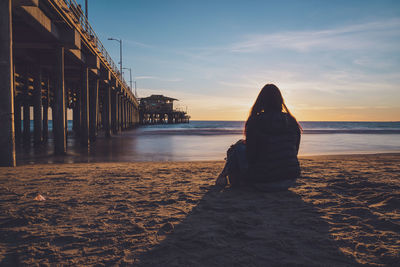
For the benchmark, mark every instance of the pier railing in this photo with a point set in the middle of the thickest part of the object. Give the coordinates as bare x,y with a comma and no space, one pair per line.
76,13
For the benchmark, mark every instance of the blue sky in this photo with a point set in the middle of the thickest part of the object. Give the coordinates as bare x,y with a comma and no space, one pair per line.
333,60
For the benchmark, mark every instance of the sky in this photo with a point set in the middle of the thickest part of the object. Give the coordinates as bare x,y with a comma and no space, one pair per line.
333,60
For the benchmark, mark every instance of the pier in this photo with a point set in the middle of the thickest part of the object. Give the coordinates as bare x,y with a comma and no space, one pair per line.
159,109
51,61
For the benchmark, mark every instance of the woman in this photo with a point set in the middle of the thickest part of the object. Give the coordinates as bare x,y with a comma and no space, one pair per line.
267,158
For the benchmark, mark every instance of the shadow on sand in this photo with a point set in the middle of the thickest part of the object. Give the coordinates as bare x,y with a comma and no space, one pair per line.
248,228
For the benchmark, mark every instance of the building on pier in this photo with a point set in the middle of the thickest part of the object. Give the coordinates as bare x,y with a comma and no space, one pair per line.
159,109
52,61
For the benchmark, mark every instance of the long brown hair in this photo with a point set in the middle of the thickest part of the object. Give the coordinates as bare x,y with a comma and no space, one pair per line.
269,99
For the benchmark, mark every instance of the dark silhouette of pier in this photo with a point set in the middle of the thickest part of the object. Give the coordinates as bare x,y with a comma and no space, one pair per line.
159,109
50,61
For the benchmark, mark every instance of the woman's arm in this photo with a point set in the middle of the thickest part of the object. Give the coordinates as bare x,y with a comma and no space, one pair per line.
251,142
298,140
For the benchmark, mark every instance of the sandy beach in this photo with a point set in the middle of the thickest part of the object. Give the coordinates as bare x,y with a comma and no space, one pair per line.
344,211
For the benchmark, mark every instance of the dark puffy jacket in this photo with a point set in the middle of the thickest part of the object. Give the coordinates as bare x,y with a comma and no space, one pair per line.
272,144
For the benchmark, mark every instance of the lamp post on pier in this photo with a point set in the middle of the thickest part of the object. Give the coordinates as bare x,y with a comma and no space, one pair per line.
86,9
130,76
120,53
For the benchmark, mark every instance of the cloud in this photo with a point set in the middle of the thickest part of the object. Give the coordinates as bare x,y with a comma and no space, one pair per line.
336,81
358,36
145,77
171,80
158,78
140,44
369,61
241,84
313,107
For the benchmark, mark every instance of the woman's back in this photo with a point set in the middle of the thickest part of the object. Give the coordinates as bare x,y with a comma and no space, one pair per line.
272,143
269,152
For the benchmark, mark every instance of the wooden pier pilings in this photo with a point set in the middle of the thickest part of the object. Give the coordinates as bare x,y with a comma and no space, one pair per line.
51,61
163,117
7,133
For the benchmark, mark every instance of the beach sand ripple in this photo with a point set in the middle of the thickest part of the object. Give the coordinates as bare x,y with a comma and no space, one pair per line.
344,211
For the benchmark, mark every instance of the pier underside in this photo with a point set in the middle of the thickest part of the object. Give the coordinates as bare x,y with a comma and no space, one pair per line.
52,62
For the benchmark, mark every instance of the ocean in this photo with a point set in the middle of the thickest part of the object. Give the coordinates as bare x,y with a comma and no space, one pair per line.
203,140
209,140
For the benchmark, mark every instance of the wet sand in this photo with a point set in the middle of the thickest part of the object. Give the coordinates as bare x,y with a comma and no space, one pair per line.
344,211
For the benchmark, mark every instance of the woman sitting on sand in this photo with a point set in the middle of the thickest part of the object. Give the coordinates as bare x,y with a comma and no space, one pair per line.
267,159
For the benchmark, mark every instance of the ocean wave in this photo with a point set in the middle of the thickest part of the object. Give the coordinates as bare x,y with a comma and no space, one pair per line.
192,132
351,131
214,131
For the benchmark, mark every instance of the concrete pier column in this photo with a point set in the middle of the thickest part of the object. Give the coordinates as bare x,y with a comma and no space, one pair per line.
136,115
17,121
68,96
121,116
119,113
113,112
7,133
115,98
126,114
107,111
93,108
121,110
17,112
46,112
26,135
60,140
77,113
132,115
99,116
123,113
84,133
37,106
129,115
66,115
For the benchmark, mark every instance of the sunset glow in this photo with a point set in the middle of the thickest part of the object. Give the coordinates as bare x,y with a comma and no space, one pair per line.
333,61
